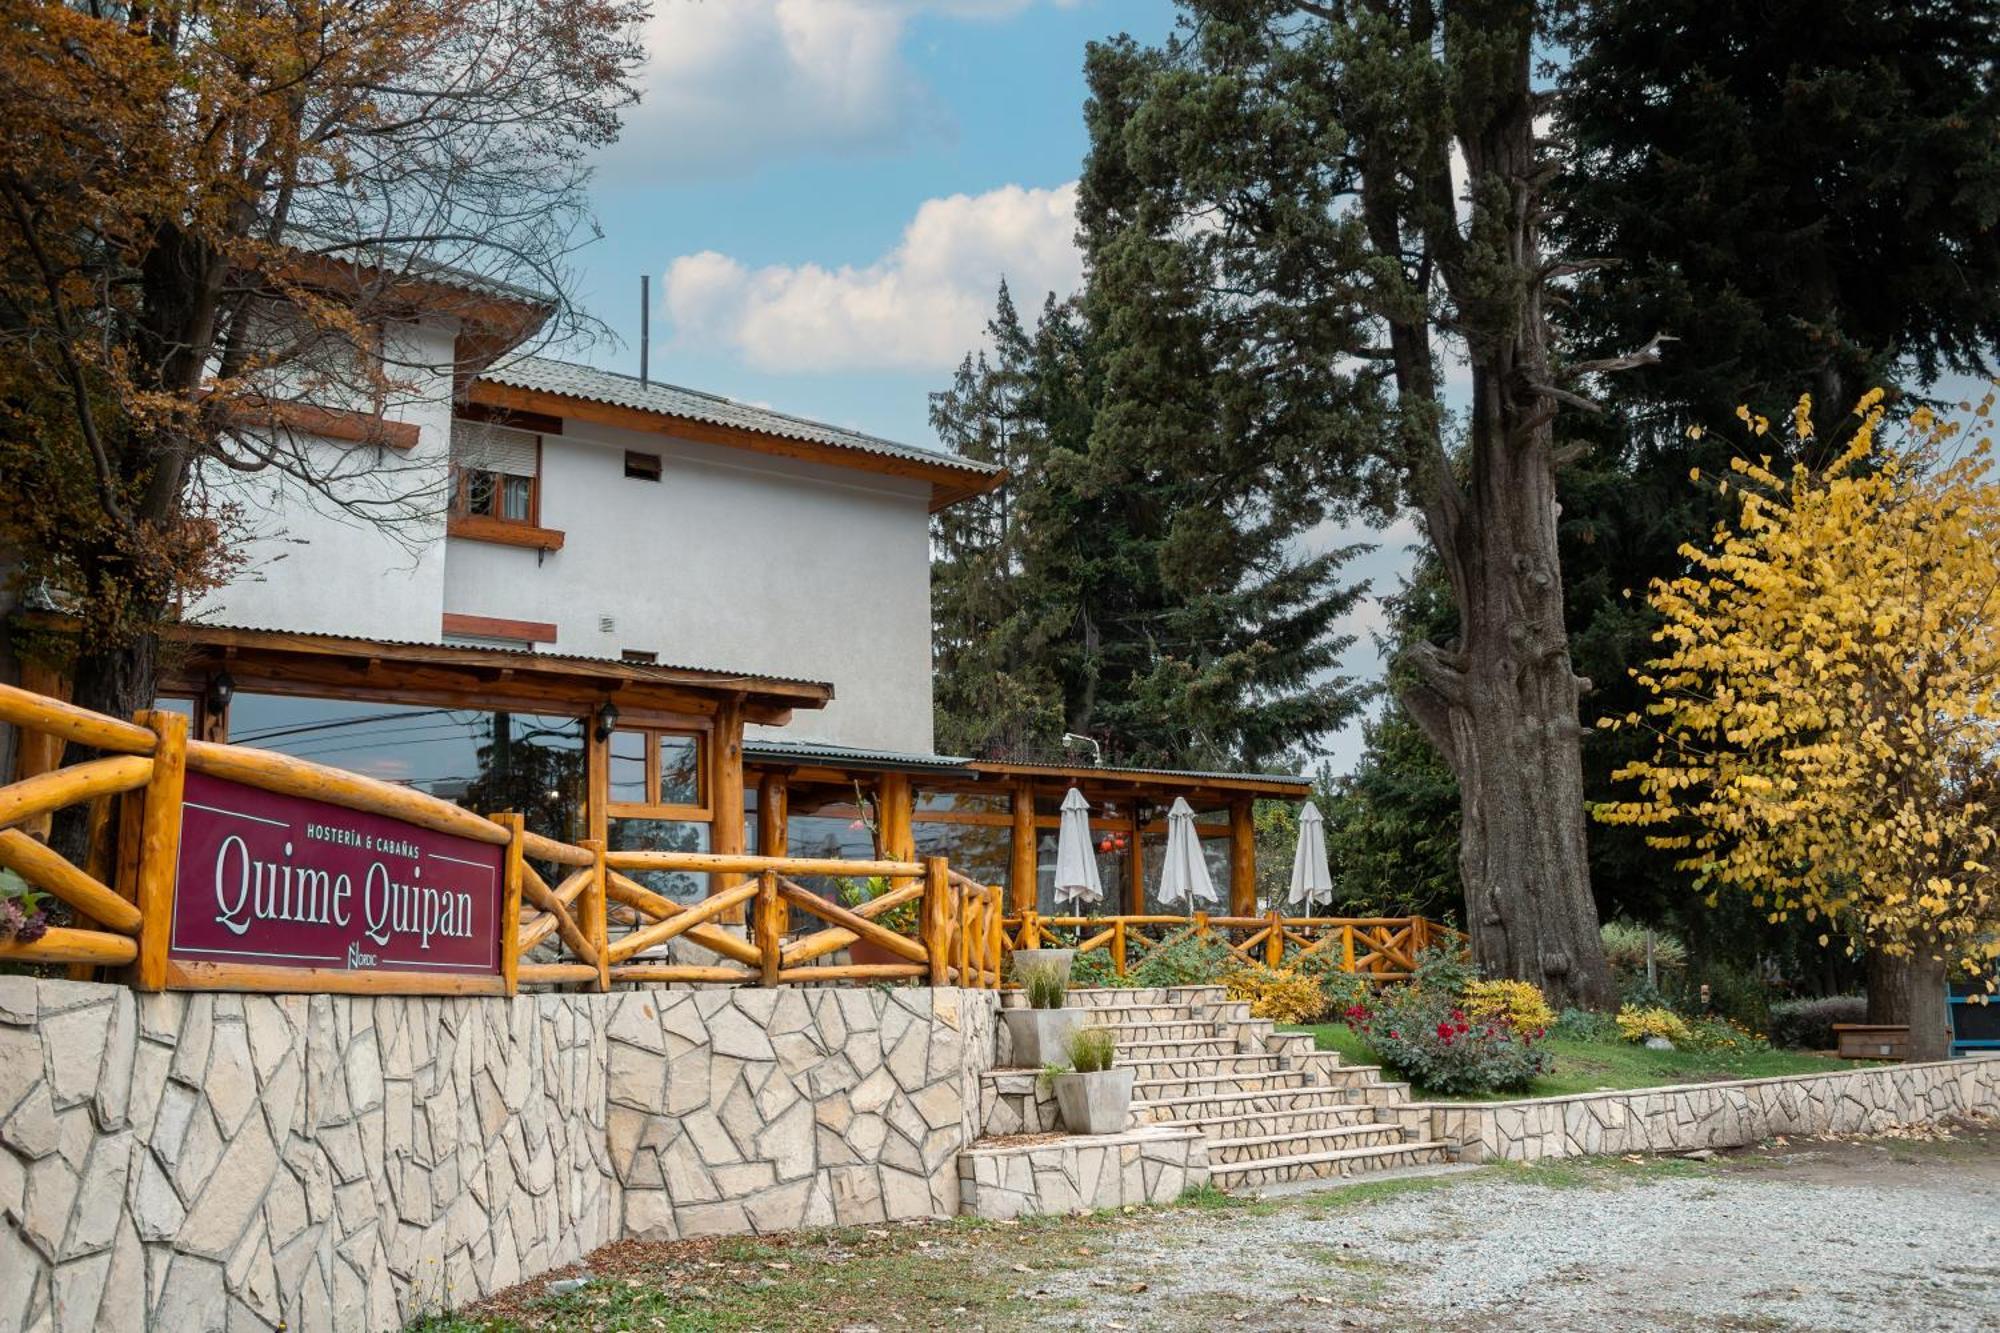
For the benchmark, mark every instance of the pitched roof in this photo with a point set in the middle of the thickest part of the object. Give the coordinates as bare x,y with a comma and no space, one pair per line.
589,384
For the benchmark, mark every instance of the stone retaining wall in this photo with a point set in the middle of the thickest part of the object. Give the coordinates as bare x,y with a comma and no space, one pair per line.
203,1161
1709,1115
1075,1174
765,1110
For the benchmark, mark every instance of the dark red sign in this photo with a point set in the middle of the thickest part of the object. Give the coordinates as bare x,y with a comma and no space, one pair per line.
290,882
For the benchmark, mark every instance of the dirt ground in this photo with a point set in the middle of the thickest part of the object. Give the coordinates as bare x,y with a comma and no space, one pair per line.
1899,1232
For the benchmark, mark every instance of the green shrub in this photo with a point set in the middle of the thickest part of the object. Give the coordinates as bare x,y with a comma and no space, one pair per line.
1184,959
1625,949
1091,1050
1445,969
1738,993
1046,984
1723,1036
1094,969
1807,1025
1343,990
1585,1025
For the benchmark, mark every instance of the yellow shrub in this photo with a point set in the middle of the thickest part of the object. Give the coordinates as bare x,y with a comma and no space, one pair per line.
1639,1024
1279,994
1519,1002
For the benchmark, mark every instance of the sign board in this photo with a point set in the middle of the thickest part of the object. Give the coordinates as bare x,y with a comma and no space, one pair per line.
288,882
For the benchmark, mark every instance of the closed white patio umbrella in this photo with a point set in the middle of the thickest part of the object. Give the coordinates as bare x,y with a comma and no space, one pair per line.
1076,867
1185,877
1312,881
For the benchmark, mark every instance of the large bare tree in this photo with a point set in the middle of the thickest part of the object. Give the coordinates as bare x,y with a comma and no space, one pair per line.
219,225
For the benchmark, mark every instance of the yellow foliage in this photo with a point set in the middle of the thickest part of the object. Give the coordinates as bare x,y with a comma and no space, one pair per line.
1826,698
1519,1002
1636,1025
1279,994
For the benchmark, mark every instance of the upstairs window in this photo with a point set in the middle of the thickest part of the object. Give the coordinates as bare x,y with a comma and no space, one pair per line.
642,467
496,472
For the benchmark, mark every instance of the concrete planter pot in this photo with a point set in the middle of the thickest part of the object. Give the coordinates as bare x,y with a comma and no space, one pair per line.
1026,959
1036,1036
1099,1103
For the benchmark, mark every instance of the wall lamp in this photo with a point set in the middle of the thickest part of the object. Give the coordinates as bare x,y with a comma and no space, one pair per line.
605,721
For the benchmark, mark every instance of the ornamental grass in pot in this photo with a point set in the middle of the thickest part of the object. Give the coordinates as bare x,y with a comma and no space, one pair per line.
1093,1096
1037,1034
1026,960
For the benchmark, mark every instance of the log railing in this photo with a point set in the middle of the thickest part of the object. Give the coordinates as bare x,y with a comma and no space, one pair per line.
551,933
1384,948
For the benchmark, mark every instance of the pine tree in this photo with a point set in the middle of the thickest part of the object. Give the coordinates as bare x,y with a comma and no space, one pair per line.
1132,593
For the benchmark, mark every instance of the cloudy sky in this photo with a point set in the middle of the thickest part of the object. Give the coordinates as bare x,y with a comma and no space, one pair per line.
827,193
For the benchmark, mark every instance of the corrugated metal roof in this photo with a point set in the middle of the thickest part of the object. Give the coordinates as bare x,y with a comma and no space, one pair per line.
788,750
1113,771
545,375
717,676
826,750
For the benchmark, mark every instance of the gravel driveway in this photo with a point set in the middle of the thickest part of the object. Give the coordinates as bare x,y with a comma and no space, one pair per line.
1901,1235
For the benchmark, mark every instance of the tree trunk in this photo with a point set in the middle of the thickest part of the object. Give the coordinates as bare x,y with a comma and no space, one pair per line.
1888,988
1502,704
118,681
1930,1017
1506,720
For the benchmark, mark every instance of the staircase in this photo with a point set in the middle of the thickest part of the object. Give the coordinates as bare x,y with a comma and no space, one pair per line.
1270,1107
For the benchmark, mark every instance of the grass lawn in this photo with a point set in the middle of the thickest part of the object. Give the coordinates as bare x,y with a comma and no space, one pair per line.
1590,1066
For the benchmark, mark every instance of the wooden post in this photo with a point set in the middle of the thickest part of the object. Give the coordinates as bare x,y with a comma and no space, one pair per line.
996,936
1242,859
1022,871
596,914
769,926
726,805
961,939
1274,947
774,795
510,902
1118,946
1135,865
1201,925
39,752
1031,929
934,919
160,845
892,813
1347,948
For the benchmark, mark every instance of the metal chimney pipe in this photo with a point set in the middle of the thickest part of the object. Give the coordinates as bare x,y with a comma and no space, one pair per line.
645,323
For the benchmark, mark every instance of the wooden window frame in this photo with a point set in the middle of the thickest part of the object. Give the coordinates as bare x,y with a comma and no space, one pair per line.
461,498
703,812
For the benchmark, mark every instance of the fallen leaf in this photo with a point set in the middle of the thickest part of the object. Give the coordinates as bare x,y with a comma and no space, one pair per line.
1022,1268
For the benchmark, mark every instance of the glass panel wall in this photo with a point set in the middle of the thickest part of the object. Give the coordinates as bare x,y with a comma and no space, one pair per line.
1215,851
484,761
664,835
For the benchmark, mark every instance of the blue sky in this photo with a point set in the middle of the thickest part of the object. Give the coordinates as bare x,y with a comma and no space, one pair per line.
826,194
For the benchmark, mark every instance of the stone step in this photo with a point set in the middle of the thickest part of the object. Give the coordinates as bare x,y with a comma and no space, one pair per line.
1094,997
1268,1147
1346,1076
1178,1048
1168,1089
1192,1029
1164,1069
1303,1120
1222,1103
1141,1015
1328,1164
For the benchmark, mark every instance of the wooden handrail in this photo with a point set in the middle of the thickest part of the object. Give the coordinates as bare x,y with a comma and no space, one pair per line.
59,787
38,712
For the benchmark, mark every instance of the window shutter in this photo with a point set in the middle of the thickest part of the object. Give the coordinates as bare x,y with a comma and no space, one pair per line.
478,446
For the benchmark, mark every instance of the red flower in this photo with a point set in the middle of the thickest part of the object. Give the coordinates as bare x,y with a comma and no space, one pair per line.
1394,1035
1444,1032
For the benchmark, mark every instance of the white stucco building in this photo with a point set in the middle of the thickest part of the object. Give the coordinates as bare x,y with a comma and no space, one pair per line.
585,513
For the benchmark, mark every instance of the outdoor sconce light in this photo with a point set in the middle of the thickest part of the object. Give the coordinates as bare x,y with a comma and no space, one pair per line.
606,720
221,688
1096,750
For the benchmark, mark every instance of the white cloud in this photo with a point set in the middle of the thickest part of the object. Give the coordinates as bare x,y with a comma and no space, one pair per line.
731,84
922,306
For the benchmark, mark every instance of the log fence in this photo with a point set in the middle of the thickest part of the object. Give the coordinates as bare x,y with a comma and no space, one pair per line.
1382,948
131,776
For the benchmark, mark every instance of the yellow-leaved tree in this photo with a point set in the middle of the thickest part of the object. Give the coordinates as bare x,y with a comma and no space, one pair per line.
1827,698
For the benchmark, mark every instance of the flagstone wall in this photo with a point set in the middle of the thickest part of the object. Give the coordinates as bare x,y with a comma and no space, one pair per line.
1710,1115
233,1162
